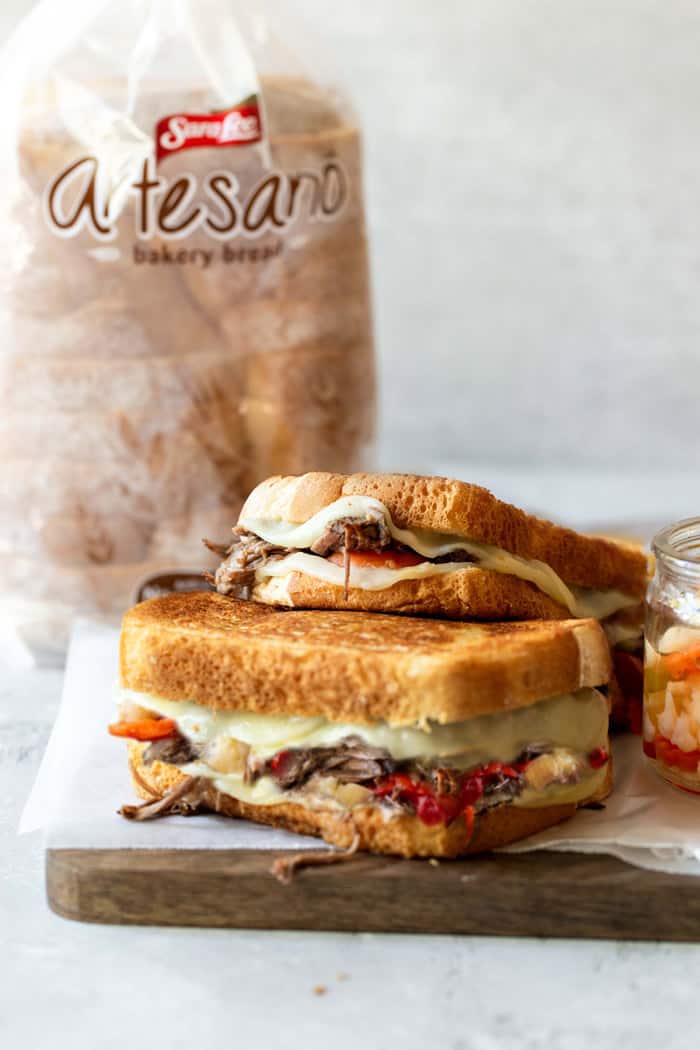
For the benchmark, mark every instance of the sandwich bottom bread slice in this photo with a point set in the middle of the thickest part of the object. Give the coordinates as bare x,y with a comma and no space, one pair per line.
408,737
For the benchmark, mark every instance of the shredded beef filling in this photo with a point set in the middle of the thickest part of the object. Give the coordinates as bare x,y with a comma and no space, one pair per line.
247,552
459,555
181,799
351,762
398,785
357,763
176,750
354,534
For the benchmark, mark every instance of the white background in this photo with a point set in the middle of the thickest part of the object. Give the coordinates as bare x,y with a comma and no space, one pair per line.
534,199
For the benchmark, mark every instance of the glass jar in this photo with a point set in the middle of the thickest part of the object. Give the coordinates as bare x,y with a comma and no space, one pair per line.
671,730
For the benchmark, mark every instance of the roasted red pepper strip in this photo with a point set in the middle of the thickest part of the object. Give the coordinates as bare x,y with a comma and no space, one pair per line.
395,782
435,809
145,729
277,761
387,559
598,758
429,810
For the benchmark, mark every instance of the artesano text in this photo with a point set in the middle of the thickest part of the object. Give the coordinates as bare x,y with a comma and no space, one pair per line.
177,207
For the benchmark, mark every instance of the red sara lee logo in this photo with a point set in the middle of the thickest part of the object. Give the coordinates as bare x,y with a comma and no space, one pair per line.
239,126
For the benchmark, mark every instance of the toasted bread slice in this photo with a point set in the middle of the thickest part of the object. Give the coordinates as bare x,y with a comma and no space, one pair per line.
465,594
455,507
351,666
366,826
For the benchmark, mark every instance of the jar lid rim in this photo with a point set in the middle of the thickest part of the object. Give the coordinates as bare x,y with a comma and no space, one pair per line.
668,542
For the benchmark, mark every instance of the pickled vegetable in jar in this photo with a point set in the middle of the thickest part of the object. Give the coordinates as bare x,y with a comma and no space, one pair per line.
671,726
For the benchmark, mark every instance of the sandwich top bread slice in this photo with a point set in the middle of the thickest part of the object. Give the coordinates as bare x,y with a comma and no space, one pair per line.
420,545
404,736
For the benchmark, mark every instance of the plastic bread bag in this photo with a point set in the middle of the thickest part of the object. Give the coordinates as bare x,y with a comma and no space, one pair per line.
184,294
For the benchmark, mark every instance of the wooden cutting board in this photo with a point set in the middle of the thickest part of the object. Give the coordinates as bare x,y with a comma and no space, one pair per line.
538,894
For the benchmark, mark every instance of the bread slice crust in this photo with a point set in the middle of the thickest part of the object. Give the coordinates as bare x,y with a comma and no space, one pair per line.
463,594
404,835
449,506
351,666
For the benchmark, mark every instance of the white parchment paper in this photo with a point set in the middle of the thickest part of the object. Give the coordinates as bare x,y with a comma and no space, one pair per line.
84,779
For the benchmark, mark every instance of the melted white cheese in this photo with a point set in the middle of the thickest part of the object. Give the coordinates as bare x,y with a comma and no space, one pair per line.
300,537
575,720
562,794
263,792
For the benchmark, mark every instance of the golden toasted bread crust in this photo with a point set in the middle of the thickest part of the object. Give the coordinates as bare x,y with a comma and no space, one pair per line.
351,666
464,594
446,505
404,835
